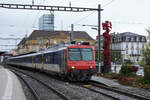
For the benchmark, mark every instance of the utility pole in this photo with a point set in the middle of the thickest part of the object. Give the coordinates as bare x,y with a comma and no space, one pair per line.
99,34
32,2
72,33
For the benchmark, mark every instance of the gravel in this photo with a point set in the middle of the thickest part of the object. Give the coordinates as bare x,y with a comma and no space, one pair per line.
79,93
26,90
43,92
138,91
72,91
114,94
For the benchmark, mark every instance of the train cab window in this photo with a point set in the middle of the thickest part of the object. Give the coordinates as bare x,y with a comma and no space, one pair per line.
78,54
74,54
86,54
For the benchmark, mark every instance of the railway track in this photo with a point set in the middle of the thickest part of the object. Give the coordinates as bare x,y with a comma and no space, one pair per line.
111,92
37,93
71,91
136,96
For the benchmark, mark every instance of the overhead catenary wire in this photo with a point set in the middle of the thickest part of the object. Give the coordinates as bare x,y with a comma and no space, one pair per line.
136,23
83,18
108,3
93,12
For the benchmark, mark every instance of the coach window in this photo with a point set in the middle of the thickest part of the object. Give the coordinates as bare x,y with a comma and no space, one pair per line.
48,59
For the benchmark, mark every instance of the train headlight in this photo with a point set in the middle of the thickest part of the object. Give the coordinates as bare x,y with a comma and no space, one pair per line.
91,66
79,43
72,67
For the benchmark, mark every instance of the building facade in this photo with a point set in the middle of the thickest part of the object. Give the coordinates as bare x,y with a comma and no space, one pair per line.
130,45
46,22
41,39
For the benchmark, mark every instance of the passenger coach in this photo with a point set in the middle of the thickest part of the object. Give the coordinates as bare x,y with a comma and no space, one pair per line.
71,62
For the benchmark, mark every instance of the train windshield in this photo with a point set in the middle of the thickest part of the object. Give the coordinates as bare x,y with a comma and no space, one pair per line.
86,54
78,54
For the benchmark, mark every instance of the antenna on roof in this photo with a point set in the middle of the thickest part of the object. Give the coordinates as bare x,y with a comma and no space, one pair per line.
32,2
69,4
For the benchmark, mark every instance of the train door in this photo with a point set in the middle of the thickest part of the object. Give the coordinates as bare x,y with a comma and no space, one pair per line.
33,66
63,62
36,62
42,61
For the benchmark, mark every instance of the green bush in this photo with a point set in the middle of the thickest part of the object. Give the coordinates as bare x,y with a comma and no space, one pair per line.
147,74
112,75
142,63
127,70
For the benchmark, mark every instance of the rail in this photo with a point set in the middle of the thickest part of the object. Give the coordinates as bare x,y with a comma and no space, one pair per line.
40,81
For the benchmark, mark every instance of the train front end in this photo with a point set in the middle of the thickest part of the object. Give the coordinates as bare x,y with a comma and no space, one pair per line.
81,62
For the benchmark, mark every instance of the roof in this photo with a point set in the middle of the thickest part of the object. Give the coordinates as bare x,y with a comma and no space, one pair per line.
47,33
129,34
124,34
127,37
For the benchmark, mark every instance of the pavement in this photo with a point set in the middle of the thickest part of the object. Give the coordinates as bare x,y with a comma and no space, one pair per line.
110,82
10,87
105,81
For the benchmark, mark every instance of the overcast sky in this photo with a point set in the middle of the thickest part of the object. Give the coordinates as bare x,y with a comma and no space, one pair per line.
125,15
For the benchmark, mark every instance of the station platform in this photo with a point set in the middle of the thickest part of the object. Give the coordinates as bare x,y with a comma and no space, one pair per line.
10,87
105,81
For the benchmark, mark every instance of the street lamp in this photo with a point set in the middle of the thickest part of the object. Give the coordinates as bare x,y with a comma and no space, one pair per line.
98,47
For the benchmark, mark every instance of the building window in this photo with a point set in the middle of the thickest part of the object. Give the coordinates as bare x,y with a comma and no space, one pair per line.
47,43
137,47
132,39
40,42
62,42
55,41
126,51
138,52
126,45
132,52
132,47
127,39
143,46
137,39
137,44
33,48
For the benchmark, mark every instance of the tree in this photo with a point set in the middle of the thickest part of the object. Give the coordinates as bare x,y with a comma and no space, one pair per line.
147,61
147,51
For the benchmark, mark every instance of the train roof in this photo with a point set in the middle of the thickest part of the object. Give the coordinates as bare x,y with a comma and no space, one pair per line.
54,48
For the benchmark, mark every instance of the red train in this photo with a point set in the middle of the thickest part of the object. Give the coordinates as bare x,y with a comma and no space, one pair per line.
72,62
